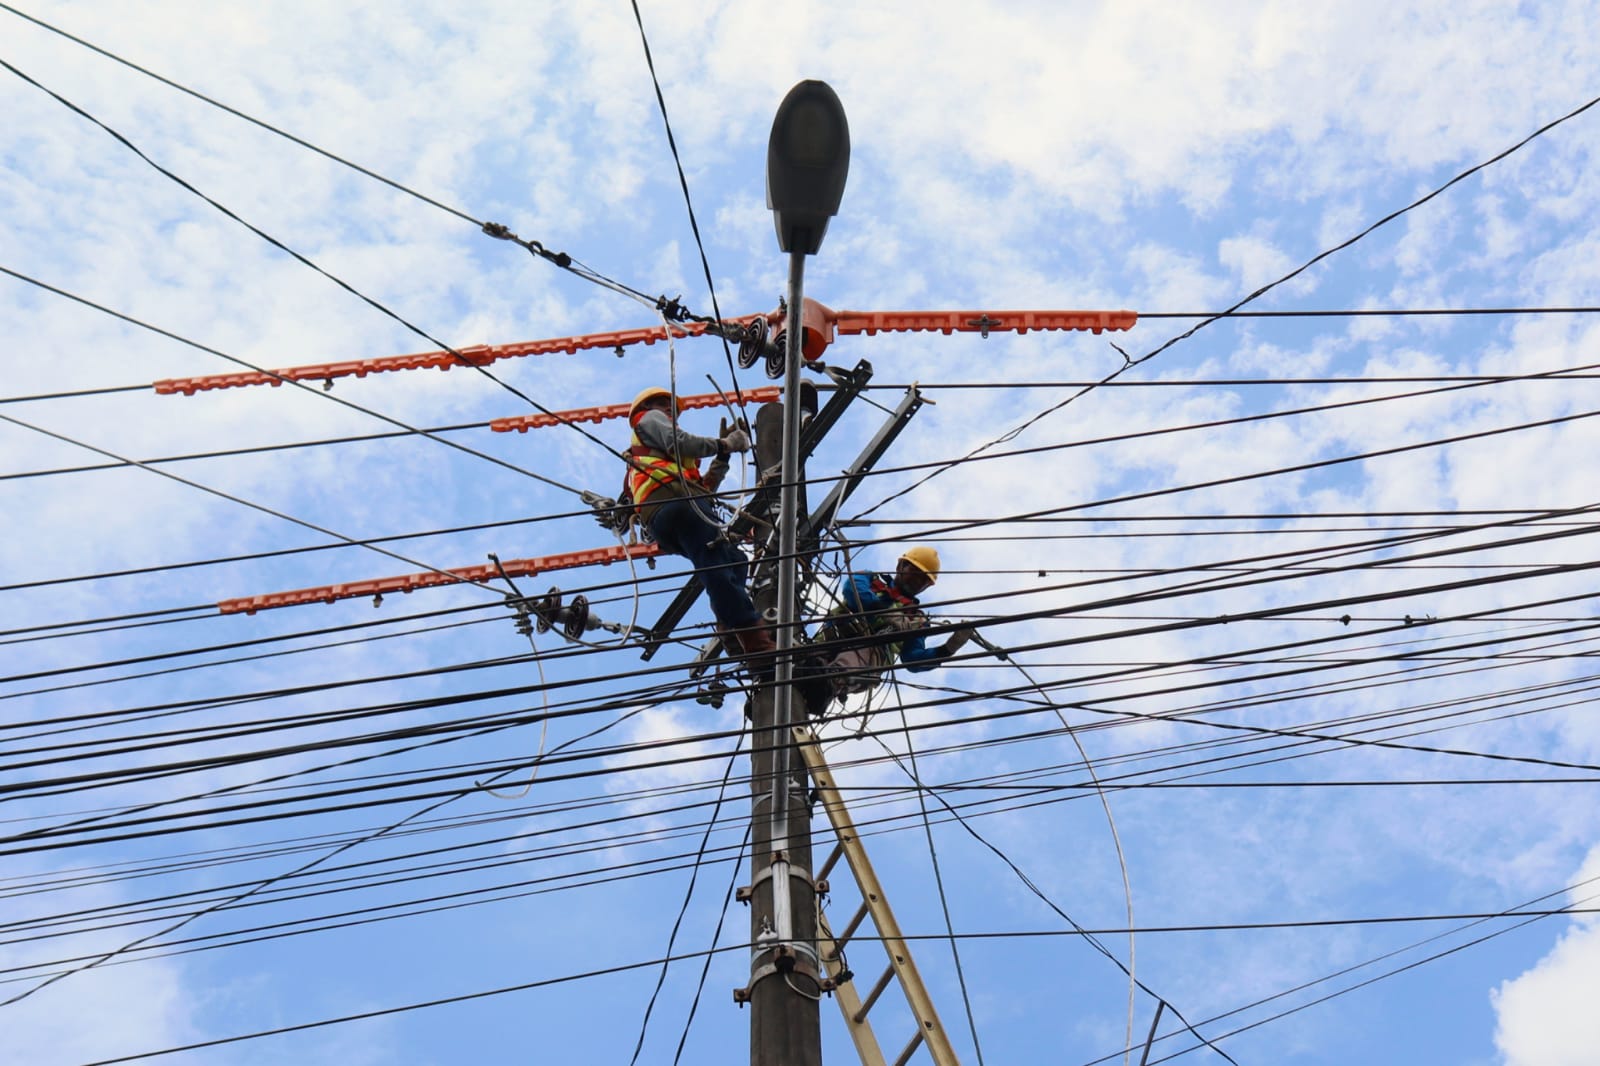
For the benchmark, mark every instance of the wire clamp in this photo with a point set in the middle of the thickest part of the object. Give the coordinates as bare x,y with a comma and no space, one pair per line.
501,232
672,309
609,513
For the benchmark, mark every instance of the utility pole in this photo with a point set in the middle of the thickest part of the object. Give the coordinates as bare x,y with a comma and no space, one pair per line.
808,159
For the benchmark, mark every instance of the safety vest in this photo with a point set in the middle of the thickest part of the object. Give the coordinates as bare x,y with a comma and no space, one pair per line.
650,469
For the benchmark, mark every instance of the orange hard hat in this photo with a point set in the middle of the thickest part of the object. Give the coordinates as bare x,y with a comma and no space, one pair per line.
653,393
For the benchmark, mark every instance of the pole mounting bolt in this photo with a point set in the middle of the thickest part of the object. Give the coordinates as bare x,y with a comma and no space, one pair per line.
985,324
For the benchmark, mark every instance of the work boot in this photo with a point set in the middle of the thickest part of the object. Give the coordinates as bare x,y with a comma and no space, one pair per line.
811,681
759,648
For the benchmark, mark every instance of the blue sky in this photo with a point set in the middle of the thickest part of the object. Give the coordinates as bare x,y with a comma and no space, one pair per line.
1005,155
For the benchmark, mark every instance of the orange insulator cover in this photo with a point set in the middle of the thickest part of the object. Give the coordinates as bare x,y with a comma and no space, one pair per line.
477,355
985,322
410,582
818,325
816,328
523,423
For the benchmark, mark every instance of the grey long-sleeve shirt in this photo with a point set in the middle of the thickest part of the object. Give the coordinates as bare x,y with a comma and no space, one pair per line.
659,433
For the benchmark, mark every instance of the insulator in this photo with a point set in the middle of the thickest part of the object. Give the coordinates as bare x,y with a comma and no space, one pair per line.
776,355
546,609
577,620
752,342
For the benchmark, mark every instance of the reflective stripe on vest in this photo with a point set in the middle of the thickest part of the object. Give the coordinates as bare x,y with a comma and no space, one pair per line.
649,469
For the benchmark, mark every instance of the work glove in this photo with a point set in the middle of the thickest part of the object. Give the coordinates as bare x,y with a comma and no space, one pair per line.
737,440
958,640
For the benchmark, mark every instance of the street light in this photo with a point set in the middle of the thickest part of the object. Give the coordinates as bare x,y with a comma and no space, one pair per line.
808,160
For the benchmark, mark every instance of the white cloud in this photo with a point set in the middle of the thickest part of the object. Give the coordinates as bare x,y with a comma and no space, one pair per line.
1545,1016
1006,154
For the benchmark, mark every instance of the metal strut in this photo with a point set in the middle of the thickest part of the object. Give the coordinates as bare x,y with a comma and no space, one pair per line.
762,508
901,968
816,524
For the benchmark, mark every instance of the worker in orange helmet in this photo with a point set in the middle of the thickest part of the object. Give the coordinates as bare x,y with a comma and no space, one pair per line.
845,661
673,500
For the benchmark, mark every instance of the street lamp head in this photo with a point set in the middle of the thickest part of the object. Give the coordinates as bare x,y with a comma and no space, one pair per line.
808,160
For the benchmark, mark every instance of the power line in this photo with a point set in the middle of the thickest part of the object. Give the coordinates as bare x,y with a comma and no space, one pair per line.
230,497
122,461
688,203
1129,361
532,246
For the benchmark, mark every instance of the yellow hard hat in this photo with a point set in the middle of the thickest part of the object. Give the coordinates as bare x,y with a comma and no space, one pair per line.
925,559
652,393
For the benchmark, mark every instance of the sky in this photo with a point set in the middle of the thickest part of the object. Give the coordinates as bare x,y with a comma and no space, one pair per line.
1308,596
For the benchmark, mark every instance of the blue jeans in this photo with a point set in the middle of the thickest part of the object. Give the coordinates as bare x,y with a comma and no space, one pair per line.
685,526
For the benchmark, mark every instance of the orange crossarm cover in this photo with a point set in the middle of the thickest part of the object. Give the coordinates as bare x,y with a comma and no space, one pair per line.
870,322
523,423
819,326
409,582
477,355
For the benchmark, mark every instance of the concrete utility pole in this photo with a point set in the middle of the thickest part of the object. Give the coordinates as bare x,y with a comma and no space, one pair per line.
808,159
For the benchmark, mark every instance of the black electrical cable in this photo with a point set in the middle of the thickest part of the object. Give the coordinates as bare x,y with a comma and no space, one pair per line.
1298,468
333,852
1471,379
1447,528
1039,645
688,203
240,114
1053,514
1084,933
1129,361
112,390
1389,312
377,306
1522,908
1159,383
260,449
560,259
1231,705
130,320
716,935
938,875
1297,734
688,894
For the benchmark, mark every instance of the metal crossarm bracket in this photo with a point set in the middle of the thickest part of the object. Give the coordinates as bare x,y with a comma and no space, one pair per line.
823,516
850,383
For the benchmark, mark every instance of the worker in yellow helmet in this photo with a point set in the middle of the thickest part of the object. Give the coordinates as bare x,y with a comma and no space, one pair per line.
672,496
876,605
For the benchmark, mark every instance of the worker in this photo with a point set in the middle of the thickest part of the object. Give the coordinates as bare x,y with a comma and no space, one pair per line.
843,661
673,500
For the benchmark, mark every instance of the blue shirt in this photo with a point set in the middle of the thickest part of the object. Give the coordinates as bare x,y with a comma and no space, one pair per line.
863,601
